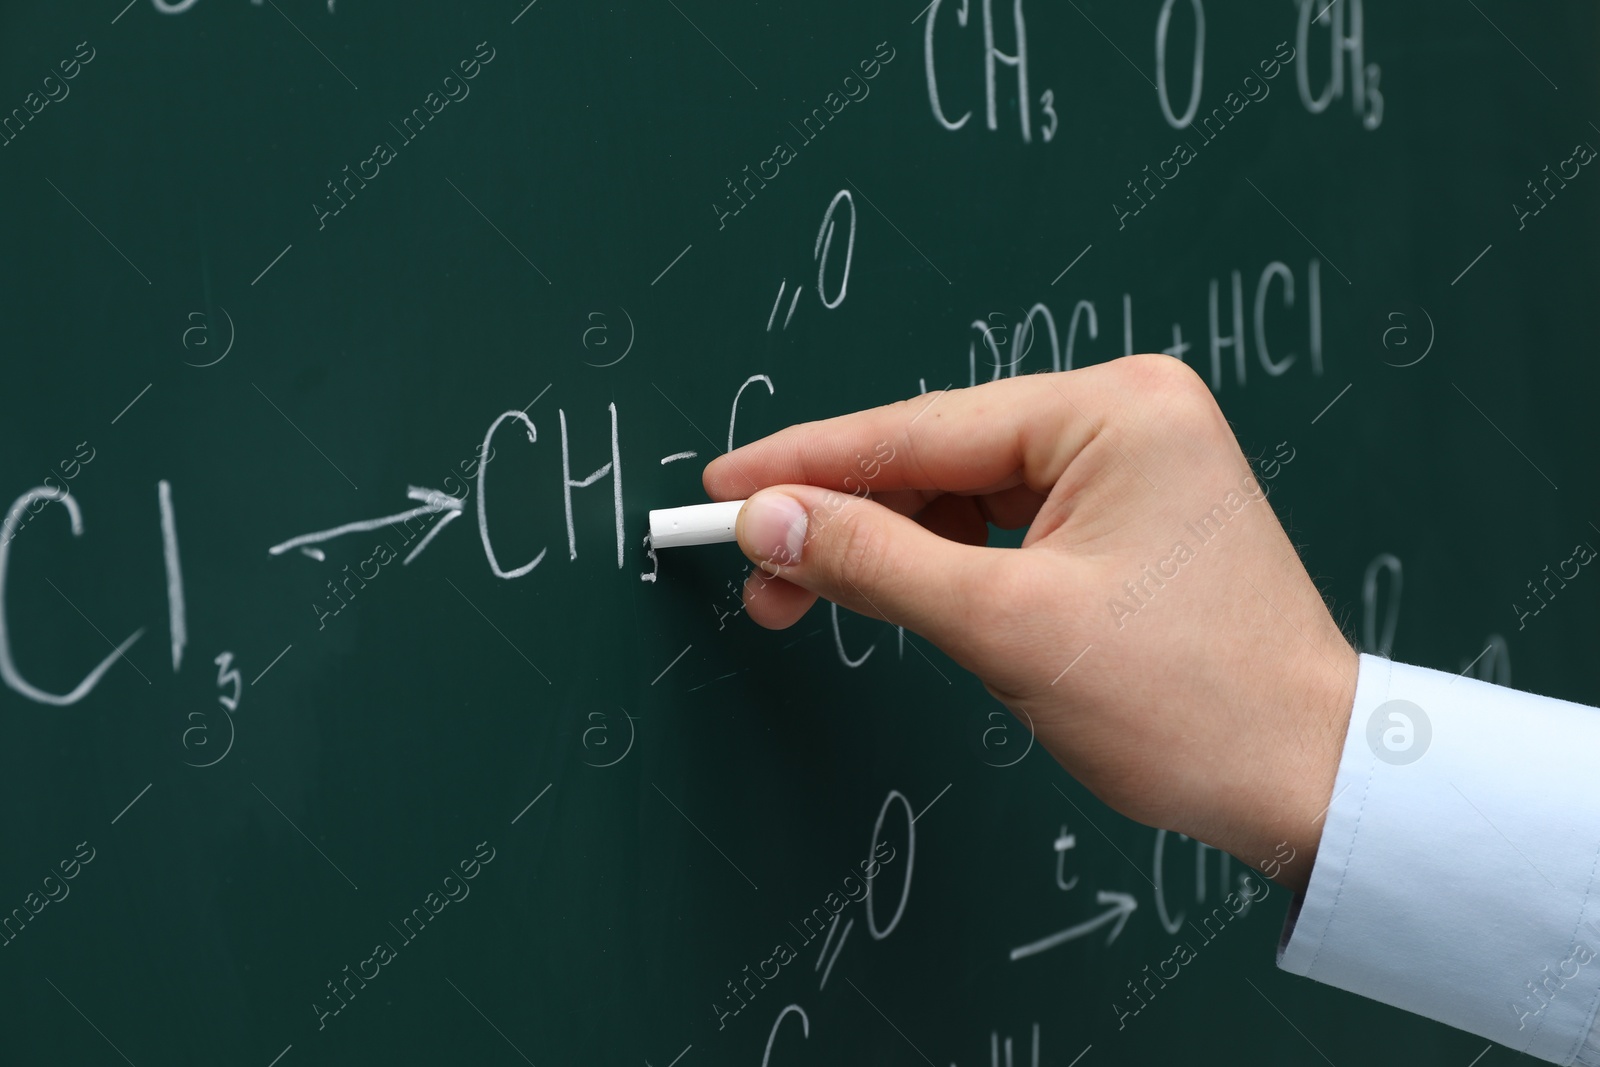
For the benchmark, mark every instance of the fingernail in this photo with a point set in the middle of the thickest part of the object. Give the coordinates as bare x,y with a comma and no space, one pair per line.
774,528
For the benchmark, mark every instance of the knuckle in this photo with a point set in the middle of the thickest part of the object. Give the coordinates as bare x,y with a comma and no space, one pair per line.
1168,375
1177,390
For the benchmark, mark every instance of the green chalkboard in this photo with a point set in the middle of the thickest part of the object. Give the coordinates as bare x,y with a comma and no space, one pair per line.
347,348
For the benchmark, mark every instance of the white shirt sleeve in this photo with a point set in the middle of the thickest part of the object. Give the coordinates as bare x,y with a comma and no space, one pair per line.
1456,876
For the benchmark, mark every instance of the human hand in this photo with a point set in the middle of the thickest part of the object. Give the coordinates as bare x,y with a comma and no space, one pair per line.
1213,701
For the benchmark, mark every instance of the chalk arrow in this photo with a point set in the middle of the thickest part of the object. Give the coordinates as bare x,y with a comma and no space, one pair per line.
433,503
1123,905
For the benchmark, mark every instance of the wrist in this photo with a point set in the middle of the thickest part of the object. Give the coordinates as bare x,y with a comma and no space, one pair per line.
1276,812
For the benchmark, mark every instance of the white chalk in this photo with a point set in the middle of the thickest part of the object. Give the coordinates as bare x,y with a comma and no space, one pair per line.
698,524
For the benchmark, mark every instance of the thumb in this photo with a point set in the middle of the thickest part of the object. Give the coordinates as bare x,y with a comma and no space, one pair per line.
874,561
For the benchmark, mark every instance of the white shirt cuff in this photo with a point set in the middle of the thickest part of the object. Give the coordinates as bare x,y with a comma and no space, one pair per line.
1456,875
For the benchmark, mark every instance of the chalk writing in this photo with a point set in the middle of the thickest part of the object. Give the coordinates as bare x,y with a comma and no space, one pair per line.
1255,90
1346,39
992,55
8,666
1227,333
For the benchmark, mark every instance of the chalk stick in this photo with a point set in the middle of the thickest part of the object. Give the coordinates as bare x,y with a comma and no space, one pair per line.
697,524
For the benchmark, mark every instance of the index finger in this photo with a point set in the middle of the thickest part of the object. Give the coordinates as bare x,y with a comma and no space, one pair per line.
979,439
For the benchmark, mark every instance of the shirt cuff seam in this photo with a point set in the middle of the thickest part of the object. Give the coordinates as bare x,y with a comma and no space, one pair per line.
1586,1034
1355,831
